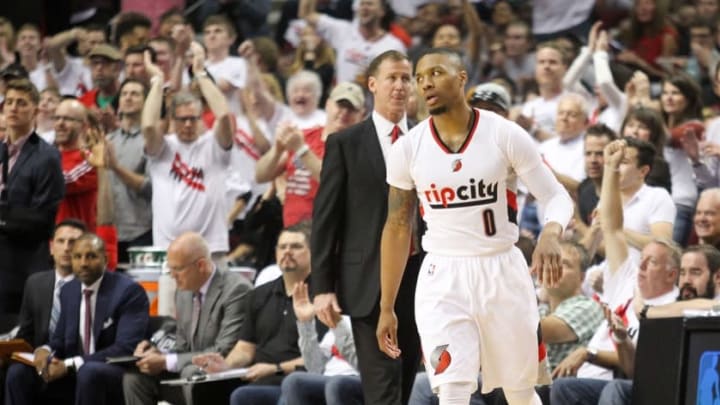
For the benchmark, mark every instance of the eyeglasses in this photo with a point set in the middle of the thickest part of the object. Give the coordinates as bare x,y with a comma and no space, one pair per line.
190,118
179,269
65,118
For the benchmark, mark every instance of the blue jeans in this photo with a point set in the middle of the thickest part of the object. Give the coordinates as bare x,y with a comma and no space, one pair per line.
616,392
301,388
576,391
255,395
683,224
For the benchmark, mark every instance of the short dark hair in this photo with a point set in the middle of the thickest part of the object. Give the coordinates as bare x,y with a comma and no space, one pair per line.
220,19
140,49
71,223
601,129
24,86
129,80
171,12
711,253
303,227
167,40
128,21
451,53
392,55
94,238
645,151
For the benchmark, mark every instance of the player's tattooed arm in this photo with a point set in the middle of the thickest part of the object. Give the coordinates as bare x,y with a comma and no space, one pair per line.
401,207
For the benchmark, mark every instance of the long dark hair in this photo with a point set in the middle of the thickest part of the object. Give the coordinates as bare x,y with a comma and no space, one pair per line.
653,121
691,91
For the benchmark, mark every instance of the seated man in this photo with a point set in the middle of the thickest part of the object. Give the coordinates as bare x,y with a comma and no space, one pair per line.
103,315
209,305
655,278
268,343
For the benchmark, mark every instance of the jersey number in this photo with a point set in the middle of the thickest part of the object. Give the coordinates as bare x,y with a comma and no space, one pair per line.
489,222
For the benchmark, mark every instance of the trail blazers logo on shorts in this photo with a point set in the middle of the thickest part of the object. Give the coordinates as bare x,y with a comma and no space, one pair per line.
440,359
467,195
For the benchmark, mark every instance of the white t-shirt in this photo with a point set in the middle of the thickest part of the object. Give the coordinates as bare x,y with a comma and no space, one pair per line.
557,15
684,190
542,111
465,200
188,181
241,172
234,70
650,205
317,118
622,284
353,52
75,78
566,157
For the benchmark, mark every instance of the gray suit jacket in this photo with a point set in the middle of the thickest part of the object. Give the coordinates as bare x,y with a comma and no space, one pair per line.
221,316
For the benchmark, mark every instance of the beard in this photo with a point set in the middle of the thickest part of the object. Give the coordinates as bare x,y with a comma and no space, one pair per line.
687,292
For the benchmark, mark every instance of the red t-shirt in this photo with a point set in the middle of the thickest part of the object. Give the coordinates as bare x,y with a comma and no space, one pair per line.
650,48
81,185
301,187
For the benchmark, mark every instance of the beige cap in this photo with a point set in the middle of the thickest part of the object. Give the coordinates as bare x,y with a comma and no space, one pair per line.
106,51
350,92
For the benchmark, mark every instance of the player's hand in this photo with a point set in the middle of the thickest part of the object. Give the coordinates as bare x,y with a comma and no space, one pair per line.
327,309
570,364
56,370
546,263
387,334
40,359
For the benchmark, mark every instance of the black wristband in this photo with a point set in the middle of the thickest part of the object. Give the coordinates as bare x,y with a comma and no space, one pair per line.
644,311
278,369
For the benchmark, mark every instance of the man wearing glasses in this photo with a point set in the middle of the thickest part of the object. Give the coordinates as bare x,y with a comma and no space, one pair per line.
210,313
188,167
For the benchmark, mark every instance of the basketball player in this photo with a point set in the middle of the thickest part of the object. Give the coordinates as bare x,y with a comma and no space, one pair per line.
475,304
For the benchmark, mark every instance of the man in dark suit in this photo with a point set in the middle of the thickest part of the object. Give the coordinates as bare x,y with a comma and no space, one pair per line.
103,315
348,216
210,313
32,186
40,308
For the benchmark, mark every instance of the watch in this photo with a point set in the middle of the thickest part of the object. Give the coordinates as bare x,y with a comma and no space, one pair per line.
278,369
69,364
591,354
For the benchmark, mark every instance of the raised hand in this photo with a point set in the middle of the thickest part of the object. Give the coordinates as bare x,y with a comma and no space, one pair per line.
303,307
614,153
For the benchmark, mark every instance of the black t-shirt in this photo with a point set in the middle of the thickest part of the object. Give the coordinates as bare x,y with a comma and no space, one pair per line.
271,325
587,200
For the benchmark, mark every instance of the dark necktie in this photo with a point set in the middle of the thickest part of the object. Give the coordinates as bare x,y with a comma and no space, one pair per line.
197,302
88,320
395,134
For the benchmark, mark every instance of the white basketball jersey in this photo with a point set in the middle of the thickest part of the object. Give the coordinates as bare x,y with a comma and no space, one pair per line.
467,198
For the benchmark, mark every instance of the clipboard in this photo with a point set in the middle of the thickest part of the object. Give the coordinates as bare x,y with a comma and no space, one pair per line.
233,373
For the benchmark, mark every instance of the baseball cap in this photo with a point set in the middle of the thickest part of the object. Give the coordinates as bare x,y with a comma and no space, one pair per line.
14,71
106,51
350,92
491,93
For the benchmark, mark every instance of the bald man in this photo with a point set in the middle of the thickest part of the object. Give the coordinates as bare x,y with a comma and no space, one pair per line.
209,306
81,181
